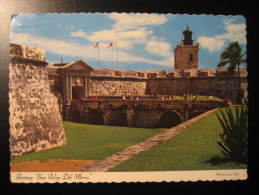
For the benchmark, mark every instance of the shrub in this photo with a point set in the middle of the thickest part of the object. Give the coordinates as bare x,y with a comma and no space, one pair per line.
233,142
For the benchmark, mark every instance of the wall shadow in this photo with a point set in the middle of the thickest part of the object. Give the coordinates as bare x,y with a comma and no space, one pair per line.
117,118
94,117
169,119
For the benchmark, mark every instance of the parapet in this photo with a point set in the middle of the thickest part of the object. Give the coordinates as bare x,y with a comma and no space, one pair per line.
187,73
206,72
223,72
116,73
156,74
20,53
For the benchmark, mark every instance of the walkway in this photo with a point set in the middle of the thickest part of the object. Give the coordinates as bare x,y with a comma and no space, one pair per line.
119,157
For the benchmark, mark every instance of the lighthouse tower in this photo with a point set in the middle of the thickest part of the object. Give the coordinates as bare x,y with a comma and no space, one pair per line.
186,53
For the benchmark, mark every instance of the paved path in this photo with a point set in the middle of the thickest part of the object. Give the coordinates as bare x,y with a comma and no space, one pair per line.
119,157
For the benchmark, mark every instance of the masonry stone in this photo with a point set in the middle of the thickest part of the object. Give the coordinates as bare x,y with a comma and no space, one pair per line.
35,120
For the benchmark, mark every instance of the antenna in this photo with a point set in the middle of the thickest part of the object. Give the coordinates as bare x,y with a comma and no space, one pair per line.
61,60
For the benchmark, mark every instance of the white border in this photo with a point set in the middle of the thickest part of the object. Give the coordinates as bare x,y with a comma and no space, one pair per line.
152,176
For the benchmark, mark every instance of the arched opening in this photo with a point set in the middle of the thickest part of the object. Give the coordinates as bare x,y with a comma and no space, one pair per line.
94,117
118,118
144,119
191,57
195,114
74,115
169,119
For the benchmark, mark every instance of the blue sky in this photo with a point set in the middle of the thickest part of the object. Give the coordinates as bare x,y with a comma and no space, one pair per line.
143,41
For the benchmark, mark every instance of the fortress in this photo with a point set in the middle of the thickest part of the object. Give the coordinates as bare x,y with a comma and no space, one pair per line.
42,95
77,80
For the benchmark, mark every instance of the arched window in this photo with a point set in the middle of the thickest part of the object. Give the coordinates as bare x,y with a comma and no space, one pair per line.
191,57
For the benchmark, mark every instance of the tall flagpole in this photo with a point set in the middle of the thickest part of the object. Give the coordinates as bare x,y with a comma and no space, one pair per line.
98,57
112,55
116,49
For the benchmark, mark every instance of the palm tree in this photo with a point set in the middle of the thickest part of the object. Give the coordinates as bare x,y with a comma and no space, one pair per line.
233,56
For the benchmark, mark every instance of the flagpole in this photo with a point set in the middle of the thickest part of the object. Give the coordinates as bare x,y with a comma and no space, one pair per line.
98,58
112,55
116,55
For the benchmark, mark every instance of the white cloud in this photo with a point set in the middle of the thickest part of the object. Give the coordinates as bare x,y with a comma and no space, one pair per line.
131,21
210,43
128,30
159,48
235,32
125,39
76,50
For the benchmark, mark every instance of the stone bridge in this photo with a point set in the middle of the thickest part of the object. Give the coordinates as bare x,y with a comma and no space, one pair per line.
138,113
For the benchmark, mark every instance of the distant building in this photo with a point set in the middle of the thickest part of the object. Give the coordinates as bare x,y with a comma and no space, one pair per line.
186,53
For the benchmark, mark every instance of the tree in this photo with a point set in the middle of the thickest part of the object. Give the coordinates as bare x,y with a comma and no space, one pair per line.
233,143
234,57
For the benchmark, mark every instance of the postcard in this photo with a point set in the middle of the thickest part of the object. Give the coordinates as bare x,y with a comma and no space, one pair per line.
127,97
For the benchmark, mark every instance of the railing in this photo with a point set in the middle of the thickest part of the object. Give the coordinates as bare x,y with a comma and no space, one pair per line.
218,102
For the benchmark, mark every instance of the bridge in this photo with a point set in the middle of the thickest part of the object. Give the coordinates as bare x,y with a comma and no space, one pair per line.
148,113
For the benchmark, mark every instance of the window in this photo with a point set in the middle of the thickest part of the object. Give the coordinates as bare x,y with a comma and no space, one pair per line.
151,75
191,57
140,74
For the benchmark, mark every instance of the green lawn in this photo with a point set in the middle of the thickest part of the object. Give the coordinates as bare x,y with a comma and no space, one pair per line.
91,142
190,150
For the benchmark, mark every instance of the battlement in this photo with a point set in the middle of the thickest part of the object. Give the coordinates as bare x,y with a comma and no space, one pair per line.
37,56
27,52
156,74
115,73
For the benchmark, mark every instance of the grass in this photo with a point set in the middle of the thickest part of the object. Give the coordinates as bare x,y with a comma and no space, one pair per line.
91,142
193,149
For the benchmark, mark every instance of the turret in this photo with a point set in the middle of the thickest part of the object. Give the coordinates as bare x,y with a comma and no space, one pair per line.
187,34
186,53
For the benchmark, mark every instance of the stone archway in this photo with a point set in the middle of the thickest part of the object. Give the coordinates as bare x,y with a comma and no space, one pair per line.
94,117
74,114
144,118
117,118
169,119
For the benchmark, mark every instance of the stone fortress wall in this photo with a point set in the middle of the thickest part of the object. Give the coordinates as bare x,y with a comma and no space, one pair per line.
207,81
35,120
108,82
115,87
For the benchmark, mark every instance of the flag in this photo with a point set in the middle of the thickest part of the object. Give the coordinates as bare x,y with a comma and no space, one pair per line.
96,45
110,45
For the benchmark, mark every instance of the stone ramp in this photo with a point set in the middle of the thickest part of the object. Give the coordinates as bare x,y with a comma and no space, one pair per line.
119,157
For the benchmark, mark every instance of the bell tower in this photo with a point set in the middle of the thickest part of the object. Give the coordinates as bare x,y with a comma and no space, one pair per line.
186,53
